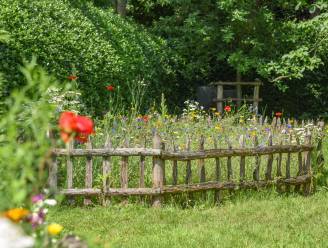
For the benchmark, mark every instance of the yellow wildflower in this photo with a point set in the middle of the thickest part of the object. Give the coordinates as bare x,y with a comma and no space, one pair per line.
213,109
218,128
253,133
16,214
54,229
217,113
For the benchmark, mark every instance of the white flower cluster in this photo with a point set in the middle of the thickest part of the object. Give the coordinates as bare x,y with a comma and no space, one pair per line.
192,107
69,100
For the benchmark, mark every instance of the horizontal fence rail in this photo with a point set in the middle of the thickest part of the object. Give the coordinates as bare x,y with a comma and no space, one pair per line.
283,165
183,155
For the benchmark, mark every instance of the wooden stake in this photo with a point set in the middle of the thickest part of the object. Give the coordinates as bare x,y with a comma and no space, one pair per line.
106,171
88,173
158,172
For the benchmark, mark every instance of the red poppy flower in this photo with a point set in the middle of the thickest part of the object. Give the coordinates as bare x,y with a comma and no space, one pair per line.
67,122
72,125
84,125
278,114
72,77
145,118
227,108
110,87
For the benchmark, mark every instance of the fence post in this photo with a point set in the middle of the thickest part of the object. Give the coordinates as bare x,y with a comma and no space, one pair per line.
158,171
242,169
307,166
53,180
219,104
270,160
217,172
300,164
69,169
88,174
106,170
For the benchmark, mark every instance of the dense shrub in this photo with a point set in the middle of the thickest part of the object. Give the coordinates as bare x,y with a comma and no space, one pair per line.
24,146
104,48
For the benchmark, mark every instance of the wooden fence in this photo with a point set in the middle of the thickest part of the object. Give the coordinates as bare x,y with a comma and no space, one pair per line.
271,154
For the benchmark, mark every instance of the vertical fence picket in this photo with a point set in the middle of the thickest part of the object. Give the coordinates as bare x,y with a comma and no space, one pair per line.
288,164
201,161
242,173
188,167
53,177
158,173
307,166
278,123
142,168
106,170
174,168
229,165
268,172
124,171
300,165
256,172
274,123
217,172
88,173
69,170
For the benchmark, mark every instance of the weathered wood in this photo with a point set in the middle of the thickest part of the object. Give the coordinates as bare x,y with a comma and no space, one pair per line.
158,173
124,175
171,189
256,98
219,104
201,165
278,123
142,168
274,122
188,166
217,172
234,185
238,83
256,172
238,88
279,161
268,173
106,170
185,155
69,165
288,164
88,173
229,165
112,192
218,100
307,168
53,175
242,172
217,153
107,152
300,164
174,168
142,172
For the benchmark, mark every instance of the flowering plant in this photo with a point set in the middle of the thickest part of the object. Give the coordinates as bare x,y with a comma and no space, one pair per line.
33,221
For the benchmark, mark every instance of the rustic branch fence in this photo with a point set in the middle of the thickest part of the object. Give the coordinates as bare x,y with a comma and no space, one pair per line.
160,187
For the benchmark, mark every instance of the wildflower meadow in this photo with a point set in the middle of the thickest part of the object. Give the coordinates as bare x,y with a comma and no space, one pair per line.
163,123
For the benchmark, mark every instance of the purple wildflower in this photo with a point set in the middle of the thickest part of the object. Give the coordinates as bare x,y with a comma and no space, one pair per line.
37,198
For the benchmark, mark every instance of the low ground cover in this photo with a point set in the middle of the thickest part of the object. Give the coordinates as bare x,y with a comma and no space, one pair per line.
247,220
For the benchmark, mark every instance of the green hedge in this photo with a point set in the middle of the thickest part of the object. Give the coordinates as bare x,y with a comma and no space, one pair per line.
104,48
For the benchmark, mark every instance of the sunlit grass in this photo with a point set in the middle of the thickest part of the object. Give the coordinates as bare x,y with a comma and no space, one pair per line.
248,220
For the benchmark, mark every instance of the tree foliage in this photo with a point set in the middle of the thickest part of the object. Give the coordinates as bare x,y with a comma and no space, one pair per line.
104,48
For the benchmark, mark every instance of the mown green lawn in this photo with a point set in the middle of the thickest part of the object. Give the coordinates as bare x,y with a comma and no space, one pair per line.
257,220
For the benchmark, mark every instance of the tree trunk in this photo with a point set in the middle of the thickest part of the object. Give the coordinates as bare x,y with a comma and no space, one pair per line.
121,7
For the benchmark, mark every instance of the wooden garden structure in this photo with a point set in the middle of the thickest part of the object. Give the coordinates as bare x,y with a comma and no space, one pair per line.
220,93
276,157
